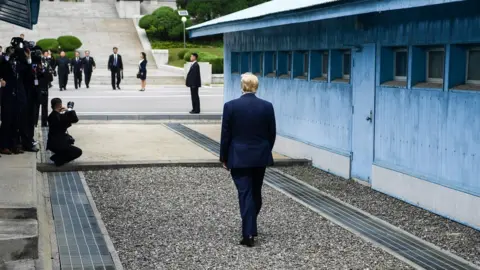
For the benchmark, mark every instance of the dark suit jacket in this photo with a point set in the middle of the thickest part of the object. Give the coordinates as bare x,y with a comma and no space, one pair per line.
248,133
63,66
76,66
142,68
58,123
119,62
89,64
193,76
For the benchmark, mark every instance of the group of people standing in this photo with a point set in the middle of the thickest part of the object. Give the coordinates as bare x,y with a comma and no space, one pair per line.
77,66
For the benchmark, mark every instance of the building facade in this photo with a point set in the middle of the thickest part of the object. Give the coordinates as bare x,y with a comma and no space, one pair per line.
385,92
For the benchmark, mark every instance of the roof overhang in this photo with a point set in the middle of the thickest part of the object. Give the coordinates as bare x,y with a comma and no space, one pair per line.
335,9
23,13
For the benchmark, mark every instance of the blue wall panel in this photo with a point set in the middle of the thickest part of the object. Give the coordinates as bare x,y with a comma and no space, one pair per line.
433,134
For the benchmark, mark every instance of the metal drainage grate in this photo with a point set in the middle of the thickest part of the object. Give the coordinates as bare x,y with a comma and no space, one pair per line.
196,137
422,254
80,242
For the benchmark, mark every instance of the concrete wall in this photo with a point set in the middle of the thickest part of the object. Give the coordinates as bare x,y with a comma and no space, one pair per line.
429,134
148,7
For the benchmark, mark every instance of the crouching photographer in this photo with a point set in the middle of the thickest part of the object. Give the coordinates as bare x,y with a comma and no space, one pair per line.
59,141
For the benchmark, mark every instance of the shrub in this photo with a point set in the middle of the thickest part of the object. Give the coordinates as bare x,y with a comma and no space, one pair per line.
217,65
48,44
182,53
146,21
69,43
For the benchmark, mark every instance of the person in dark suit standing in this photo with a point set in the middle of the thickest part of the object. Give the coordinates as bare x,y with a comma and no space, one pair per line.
142,70
88,67
194,82
63,71
247,139
76,66
115,65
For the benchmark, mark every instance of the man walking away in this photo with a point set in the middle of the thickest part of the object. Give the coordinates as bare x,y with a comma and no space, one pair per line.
248,136
115,65
194,82
63,71
88,67
76,66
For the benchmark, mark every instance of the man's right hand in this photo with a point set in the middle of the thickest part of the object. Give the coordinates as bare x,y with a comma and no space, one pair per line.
3,83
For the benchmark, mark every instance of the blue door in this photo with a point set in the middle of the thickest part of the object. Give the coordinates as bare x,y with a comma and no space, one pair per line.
363,83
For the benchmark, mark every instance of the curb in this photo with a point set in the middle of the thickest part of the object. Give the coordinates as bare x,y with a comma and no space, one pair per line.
151,117
95,166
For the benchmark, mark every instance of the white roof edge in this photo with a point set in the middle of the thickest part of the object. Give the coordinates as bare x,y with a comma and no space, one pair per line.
267,8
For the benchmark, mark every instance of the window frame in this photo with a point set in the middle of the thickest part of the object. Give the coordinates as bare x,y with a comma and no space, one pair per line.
326,55
306,63
476,82
346,77
399,78
427,68
289,63
274,62
261,59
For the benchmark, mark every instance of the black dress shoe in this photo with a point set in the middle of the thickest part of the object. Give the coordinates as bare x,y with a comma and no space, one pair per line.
118,87
248,241
31,149
192,112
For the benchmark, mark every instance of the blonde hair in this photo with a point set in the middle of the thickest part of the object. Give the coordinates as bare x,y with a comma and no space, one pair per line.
249,83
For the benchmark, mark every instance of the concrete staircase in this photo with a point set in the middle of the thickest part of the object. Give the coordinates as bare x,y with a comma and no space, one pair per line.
97,25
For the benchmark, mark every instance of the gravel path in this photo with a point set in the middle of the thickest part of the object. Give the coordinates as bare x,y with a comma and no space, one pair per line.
449,235
188,218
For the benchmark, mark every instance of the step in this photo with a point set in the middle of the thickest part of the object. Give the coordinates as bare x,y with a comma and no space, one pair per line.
20,265
18,239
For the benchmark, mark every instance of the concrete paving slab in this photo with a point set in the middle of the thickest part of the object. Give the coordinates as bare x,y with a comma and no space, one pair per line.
17,181
213,131
133,142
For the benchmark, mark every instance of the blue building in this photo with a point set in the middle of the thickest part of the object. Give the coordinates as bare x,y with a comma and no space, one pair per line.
385,92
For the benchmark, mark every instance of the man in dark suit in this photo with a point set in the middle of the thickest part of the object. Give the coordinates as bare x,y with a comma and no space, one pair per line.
76,66
59,141
194,82
115,65
63,71
88,67
248,136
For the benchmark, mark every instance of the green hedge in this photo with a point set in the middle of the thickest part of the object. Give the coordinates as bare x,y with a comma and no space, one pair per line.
164,24
48,44
182,53
217,66
215,61
69,43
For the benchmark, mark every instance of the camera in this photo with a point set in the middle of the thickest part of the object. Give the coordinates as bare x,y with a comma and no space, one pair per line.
70,105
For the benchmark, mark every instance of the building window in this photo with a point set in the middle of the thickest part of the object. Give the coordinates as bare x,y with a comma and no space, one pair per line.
473,66
270,64
285,65
325,65
400,64
435,65
257,63
301,65
245,65
274,63
346,65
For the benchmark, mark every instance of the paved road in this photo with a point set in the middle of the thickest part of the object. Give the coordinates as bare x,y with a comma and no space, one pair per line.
102,100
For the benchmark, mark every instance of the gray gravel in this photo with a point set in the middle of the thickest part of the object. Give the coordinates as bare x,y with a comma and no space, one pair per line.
449,235
188,218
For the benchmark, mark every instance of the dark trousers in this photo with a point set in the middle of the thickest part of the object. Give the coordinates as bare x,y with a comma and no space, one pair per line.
249,183
24,125
62,81
88,76
195,99
63,156
7,129
44,106
77,77
115,75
